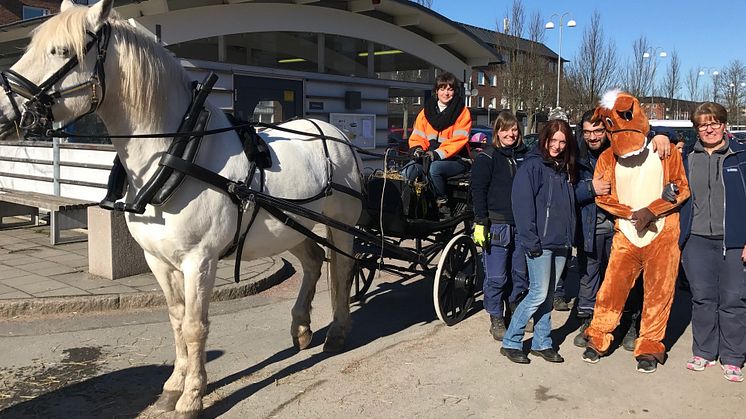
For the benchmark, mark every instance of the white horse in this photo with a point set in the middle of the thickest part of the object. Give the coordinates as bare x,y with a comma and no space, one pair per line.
147,91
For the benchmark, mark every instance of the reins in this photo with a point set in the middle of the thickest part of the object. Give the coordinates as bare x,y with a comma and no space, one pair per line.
61,133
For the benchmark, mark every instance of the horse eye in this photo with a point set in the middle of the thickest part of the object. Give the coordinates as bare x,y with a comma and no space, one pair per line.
626,115
609,122
62,51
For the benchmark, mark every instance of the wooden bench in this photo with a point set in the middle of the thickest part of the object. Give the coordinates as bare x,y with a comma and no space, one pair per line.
64,213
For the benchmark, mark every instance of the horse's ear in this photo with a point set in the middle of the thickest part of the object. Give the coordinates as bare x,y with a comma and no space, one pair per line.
99,12
66,4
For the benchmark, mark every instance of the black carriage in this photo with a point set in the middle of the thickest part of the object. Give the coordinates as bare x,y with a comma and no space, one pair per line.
413,233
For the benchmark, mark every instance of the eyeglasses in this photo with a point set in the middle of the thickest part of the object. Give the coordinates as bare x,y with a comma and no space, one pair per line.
595,132
713,125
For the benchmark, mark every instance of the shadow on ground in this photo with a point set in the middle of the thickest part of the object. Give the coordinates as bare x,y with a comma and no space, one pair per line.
388,309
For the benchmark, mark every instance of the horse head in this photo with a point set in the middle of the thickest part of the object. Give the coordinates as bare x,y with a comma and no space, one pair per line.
60,77
625,122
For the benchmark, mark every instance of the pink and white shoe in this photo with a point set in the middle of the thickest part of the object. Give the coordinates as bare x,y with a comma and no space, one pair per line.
697,363
732,373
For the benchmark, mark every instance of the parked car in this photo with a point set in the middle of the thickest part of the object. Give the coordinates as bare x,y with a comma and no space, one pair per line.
683,127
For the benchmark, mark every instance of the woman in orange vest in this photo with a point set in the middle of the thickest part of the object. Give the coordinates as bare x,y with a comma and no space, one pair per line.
440,132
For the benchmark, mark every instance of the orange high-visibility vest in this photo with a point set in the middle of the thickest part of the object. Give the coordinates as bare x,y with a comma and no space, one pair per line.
451,139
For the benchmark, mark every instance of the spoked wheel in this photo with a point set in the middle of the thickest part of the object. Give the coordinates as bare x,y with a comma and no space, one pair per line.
362,278
455,280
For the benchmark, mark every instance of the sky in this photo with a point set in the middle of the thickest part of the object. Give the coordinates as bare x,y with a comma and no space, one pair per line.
706,34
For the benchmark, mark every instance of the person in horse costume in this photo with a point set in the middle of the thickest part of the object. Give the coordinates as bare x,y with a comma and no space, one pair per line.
646,193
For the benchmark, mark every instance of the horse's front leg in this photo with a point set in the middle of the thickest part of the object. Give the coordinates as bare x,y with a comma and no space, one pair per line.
199,279
340,270
311,257
172,284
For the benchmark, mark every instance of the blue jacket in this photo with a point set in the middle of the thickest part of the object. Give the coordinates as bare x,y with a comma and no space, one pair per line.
492,182
543,205
734,179
585,196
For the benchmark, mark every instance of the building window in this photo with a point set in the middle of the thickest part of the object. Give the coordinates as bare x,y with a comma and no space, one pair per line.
480,78
494,80
493,102
480,101
468,101
30,12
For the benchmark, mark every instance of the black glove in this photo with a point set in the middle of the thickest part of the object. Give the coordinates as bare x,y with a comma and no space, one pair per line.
669,192
533,254
434,156
417,153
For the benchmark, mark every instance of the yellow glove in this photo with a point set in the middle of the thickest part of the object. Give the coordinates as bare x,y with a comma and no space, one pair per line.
480,236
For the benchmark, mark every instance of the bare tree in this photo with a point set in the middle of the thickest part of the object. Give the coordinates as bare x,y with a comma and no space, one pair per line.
637,75
426,3
733,93
594,67
691,81
537,74
517,16
672,79
527,74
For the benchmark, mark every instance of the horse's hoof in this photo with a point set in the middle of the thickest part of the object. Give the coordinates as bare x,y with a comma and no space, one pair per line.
303,340
186,415
166,402
334,344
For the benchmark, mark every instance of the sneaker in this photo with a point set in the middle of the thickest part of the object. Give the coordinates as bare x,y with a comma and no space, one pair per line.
732,373
497,327
560,304
628,342
591,356
580,340
697,363
647,365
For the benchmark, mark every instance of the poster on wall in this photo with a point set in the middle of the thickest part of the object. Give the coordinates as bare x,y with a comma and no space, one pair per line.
360,128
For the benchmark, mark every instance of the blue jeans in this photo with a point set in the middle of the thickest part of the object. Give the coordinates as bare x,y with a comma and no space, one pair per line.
543,272
440,171
505,256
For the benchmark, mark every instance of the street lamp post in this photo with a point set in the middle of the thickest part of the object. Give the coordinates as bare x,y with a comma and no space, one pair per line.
550,25
654,54
736,99
715,73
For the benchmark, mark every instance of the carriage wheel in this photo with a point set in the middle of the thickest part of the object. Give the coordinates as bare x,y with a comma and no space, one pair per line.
455,279
362,278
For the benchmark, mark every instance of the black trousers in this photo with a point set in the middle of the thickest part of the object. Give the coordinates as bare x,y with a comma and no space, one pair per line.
718,285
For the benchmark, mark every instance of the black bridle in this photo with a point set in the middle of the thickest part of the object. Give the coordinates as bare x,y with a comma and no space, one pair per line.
36,116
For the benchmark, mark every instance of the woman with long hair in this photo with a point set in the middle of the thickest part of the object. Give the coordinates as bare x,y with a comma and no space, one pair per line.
544,211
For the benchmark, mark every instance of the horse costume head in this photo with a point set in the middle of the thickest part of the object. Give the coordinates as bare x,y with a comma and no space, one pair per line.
625,123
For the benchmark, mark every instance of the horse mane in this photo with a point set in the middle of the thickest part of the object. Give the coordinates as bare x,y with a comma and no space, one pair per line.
145,66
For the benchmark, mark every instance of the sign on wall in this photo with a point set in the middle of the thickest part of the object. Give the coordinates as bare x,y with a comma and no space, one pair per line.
358,127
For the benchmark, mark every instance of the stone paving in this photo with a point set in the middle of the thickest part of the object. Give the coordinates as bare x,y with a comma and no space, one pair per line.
37,278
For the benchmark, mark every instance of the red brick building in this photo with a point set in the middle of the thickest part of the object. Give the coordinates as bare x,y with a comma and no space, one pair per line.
15,10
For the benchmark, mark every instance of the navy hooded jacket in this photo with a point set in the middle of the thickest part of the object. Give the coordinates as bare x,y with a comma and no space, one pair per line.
543,205
492,182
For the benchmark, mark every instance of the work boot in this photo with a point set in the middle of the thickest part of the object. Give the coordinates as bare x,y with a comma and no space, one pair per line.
560,304
628,342
580,340
497,327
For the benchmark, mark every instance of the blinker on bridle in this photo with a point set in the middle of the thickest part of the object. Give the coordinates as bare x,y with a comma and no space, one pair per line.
36,116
